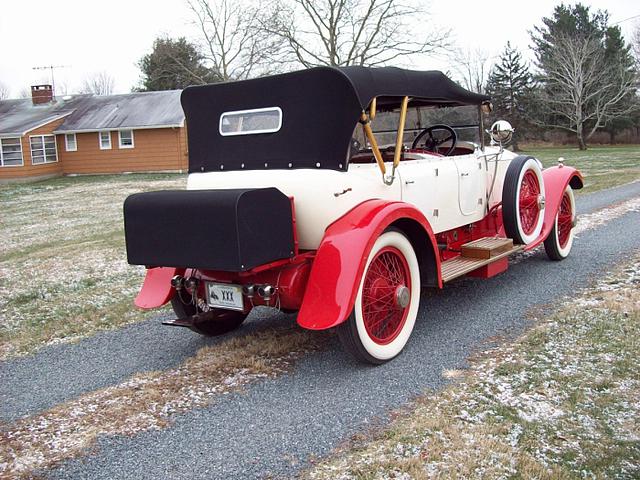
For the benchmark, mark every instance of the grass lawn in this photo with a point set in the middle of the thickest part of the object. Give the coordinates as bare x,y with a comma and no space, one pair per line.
63,269
602,167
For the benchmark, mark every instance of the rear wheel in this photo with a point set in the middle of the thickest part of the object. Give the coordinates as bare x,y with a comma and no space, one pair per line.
218,323
560,240
523,200
387,302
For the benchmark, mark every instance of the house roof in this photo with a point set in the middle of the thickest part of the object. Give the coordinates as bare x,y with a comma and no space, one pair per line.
132,110
19,116
92,113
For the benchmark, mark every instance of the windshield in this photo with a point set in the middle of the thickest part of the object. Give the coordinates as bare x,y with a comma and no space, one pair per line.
464,120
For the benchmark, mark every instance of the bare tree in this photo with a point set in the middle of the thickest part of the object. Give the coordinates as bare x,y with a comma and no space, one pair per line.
351,32
4,91
583,91
473,67
635,44
62,87
100,83
232,43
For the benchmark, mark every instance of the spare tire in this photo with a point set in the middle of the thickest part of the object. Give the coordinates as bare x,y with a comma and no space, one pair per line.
523,200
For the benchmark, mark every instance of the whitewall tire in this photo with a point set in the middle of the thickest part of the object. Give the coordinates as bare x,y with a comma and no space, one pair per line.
523,200
387,302
560,240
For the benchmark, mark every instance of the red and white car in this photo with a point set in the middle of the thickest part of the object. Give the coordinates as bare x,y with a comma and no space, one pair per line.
340,193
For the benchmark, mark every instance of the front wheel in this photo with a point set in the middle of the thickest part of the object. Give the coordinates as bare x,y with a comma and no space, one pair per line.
560,240
387,302
523,200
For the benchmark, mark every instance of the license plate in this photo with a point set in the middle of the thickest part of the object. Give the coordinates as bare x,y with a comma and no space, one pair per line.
224,295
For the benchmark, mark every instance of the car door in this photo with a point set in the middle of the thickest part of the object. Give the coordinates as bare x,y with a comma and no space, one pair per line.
472,181
431,184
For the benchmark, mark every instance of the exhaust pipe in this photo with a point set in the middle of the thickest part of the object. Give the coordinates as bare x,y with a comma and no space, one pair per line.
177,282
266,291
249,290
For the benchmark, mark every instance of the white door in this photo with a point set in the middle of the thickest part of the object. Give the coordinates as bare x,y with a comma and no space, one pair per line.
472,181
432,186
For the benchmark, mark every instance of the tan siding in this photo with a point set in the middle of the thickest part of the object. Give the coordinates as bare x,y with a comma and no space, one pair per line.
154,149
184,148
28,169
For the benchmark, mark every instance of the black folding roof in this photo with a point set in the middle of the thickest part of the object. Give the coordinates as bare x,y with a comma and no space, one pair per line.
320,108
424,87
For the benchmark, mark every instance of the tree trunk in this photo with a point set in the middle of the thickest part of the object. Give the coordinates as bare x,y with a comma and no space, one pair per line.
581,143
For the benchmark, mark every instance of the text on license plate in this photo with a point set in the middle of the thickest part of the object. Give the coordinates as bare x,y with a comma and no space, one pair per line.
224,295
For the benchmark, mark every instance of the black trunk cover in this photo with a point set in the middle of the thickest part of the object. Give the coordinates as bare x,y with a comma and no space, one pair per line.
229,230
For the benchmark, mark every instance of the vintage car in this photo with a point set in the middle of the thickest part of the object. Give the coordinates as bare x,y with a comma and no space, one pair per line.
340,193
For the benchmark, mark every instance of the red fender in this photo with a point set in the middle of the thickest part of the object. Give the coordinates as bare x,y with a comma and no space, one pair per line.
156,289
555,180
340,260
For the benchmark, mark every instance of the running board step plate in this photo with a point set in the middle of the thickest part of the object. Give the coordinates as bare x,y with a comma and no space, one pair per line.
459,266
486,247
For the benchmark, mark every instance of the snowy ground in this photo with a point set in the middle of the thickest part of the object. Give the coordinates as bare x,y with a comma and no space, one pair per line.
561,402
63,269
520,396
147,401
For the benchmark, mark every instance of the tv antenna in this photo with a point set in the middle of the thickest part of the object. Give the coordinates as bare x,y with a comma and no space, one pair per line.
51,68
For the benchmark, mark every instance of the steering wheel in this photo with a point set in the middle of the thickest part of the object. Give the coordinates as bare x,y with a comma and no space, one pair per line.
432,142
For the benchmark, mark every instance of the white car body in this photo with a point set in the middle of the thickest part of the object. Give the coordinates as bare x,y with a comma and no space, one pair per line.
449,191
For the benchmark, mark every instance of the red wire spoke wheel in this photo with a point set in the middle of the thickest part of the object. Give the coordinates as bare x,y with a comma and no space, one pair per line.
386,295
528,201
387,302
564,220
523,200
560,240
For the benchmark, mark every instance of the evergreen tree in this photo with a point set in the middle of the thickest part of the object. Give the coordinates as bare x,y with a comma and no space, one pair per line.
620,53
509,86
173,64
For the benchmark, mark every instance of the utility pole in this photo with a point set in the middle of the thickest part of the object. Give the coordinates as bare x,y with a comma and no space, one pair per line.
51,68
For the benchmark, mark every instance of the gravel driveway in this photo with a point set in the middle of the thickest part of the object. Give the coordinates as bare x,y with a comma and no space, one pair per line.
276,426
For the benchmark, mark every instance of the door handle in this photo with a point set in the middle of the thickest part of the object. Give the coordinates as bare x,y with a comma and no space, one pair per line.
409,182
464,174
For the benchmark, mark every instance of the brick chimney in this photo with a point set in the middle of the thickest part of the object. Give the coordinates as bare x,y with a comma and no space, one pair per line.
41,94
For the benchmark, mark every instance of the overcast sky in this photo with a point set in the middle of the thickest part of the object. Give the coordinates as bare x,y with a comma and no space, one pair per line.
86,36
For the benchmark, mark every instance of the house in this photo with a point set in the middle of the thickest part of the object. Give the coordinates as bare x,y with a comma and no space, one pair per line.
86,134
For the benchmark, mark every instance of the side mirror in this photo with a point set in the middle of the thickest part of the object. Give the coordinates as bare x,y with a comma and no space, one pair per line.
501,132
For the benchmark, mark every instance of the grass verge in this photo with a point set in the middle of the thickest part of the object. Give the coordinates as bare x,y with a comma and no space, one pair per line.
147,401
560,402
63,268
602,166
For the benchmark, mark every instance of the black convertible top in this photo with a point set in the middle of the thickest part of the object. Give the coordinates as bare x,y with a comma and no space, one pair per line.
320,108
424,87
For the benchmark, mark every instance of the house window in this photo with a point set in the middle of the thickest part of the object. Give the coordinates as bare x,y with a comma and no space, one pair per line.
125,138
105,140
43,149
10,152
70,142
